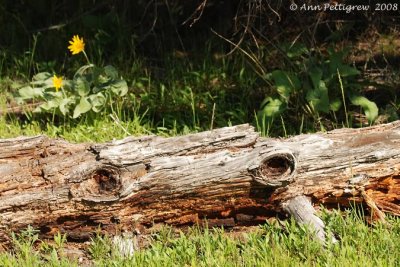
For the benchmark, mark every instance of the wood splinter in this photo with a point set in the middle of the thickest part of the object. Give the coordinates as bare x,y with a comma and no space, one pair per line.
376,213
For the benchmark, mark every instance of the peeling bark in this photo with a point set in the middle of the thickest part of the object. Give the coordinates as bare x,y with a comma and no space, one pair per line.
231,176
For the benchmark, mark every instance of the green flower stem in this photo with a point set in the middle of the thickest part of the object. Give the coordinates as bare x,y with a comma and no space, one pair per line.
84,53
63,92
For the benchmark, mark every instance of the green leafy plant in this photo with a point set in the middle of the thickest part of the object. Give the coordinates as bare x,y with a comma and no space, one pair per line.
315,84
92,89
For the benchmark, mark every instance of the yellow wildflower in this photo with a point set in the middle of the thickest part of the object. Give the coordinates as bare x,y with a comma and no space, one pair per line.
57,82
76,45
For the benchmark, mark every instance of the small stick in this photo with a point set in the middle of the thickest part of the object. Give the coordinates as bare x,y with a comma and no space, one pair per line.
376,213
212,117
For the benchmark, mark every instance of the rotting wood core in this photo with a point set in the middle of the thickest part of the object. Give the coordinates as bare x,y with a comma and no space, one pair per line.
106,181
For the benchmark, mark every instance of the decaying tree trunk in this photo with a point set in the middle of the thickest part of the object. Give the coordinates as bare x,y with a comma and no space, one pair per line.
230,176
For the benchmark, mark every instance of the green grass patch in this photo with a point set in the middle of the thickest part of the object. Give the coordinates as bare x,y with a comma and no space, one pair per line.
270,245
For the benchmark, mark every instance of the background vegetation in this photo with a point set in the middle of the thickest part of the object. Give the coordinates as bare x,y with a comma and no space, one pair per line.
196,65
192,65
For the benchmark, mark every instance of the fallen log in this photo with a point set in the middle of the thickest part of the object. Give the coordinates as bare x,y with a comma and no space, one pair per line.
231,176
13,108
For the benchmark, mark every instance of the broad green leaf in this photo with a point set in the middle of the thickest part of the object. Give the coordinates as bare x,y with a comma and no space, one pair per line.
44,80
98,101
336,63
68,84
38,109
82,70
335,104
271,107
19,100
295,50
97,89
102,79
369,107
335,60
83,107
41,76
347,71
54,103
28,92
119,87
65,104
318,98
111,72
82,86
16,84
316,76
285,83
54,94
96,73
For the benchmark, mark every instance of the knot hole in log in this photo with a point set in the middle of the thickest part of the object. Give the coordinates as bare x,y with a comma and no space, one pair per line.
105,180
101,185
276,169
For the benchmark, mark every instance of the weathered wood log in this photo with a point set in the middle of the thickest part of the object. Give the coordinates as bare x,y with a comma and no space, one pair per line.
15,109
231,176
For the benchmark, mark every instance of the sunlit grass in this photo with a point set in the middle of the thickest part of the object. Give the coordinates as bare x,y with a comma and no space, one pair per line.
269,245
99,130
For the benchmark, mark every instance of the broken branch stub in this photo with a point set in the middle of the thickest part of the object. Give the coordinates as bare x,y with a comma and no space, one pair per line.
231,176
304,213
